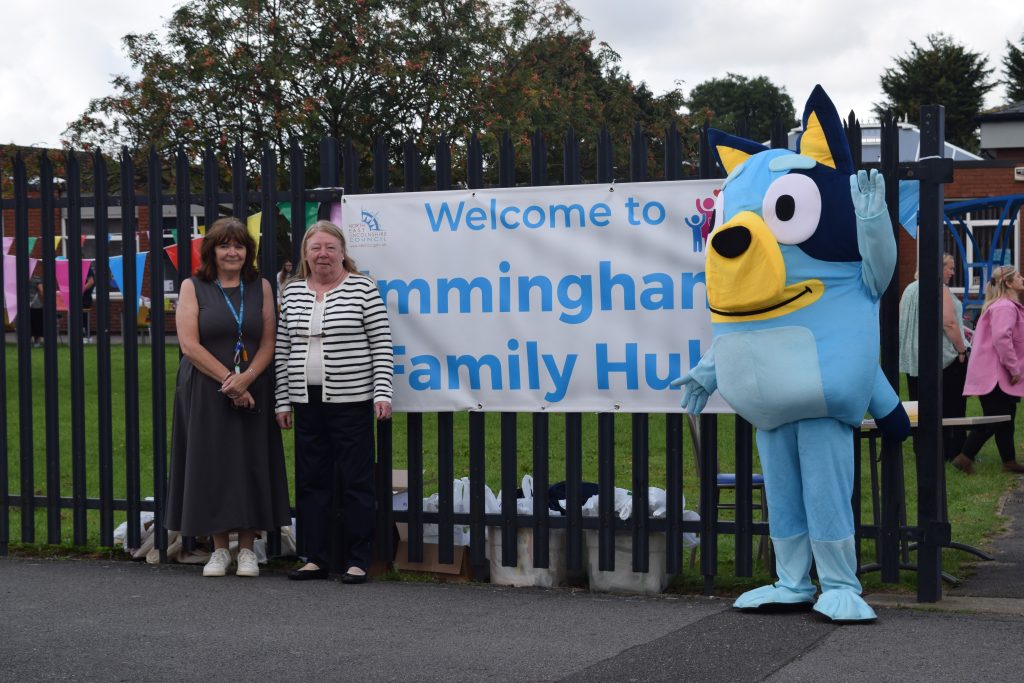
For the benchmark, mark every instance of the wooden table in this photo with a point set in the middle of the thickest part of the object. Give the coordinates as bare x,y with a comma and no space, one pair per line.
869,431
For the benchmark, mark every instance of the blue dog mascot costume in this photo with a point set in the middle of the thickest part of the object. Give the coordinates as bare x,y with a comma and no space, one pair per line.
801,251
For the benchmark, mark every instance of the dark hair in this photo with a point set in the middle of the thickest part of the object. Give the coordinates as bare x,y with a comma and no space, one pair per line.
225,230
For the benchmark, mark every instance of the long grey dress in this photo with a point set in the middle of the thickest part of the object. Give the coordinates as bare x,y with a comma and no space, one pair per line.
227,465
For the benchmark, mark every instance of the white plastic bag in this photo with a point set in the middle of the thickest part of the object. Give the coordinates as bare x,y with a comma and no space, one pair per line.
460,504
524,505
623,505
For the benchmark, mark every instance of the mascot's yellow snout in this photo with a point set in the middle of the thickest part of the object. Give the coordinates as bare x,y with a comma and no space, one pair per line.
746,274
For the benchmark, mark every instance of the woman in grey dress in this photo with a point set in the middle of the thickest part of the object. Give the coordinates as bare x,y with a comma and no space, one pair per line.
227,459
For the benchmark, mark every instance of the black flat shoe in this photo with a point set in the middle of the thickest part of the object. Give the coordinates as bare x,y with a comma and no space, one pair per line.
307,574
353,578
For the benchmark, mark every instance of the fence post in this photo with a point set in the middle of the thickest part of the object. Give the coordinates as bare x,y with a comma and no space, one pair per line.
743,454
931,480
889,534
330,168
640,421
211,209
182,215
381,170
708,454
158,359
573,496
538,159
445,420
509,507
674,492
506,161
130,301
474,163
239,185
350,160
268,233
5,496
443,163
297,217
76,352
477,460
673,154
25,418
571,158
605,157
606,491
50,330
101,295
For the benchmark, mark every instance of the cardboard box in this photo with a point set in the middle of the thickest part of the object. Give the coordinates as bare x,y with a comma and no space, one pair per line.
459,570
624,579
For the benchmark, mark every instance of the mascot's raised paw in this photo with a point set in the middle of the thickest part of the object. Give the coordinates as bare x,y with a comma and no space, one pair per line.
868,193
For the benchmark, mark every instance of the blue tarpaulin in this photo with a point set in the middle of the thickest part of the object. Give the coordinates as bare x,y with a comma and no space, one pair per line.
909,202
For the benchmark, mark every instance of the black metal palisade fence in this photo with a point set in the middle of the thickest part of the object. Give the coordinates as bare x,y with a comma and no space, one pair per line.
332,162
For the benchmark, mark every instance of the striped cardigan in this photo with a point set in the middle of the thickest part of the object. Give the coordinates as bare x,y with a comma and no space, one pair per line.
358,362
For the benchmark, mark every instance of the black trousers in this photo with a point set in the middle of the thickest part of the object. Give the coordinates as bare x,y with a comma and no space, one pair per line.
334,439
996,402
954,404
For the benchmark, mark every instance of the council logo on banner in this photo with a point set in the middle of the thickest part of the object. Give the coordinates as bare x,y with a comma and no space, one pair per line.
367,231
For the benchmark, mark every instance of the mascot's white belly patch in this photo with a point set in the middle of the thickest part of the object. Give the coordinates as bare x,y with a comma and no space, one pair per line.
771,376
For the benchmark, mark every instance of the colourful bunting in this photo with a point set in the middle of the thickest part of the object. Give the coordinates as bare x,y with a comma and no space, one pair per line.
11,283
312,211
64,280
116,265
172,253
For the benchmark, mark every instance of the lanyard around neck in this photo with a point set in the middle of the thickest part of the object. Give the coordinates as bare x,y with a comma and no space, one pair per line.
239,315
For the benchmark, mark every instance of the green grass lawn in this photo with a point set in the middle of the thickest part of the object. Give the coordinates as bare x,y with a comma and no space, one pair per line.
972,500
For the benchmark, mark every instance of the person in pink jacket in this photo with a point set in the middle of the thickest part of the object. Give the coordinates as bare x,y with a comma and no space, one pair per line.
996,367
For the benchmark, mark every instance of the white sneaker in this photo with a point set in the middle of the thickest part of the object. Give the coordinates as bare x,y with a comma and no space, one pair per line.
218,563
247,564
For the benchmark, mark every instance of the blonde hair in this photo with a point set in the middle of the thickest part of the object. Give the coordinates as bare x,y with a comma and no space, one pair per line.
997,287
946,258
335,232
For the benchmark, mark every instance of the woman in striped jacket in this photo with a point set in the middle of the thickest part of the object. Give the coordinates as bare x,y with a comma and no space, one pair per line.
334,370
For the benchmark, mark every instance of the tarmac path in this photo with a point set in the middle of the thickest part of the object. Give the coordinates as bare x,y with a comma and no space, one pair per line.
114,620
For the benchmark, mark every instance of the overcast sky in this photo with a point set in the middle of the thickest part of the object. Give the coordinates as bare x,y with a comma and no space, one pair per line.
64,52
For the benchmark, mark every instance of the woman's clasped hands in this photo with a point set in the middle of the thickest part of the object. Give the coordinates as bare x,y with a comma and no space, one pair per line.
236,387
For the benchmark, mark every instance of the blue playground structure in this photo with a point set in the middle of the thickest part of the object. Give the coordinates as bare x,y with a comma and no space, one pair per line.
989,251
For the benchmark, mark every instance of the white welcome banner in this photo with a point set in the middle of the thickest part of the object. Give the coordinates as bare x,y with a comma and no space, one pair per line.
569,298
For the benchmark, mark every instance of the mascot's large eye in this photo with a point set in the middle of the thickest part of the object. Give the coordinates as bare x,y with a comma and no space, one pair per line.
791,208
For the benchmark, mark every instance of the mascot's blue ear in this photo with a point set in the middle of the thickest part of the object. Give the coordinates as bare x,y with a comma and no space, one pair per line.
730,151
824,139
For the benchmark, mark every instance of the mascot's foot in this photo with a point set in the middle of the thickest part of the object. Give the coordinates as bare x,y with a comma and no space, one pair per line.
794,590
840,598
844,606
775,598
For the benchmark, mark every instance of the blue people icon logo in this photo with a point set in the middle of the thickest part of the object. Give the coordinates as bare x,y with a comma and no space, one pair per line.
702,221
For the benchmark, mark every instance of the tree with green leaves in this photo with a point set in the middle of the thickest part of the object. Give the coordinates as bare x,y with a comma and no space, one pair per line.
273,71
1013,70
735,101
941,72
